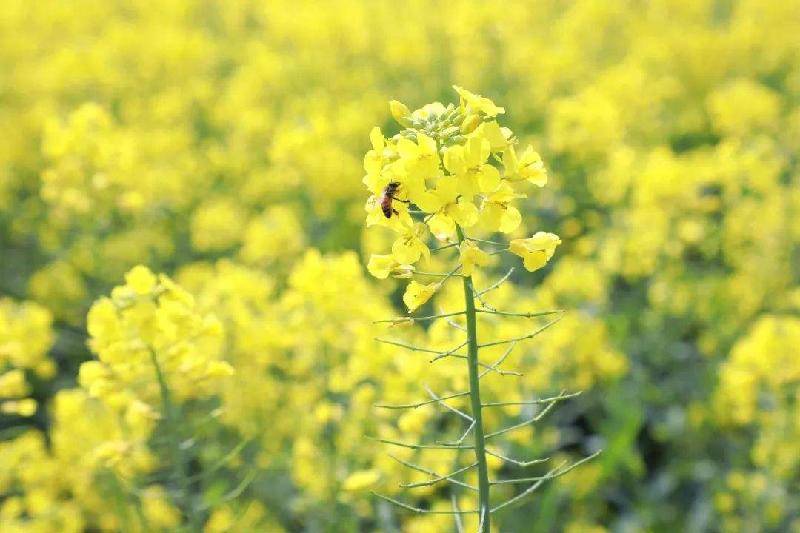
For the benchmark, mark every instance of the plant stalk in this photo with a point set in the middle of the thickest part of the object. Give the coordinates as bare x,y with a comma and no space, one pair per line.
475,399
180,462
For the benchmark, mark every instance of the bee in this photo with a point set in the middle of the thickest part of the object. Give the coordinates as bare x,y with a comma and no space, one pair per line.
386,199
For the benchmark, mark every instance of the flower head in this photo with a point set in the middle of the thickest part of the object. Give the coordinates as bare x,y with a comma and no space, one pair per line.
528,166
535,251
478,103
382,266
408,249
450,168
417,294
471,257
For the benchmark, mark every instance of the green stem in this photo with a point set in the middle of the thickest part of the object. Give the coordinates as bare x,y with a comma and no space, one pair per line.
475,399
180,462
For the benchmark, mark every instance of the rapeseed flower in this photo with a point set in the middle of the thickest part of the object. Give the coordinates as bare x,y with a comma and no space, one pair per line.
450,167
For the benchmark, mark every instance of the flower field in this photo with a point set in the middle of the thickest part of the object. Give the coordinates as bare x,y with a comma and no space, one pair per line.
258,258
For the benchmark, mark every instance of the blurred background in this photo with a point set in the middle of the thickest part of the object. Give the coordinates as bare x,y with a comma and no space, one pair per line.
221,143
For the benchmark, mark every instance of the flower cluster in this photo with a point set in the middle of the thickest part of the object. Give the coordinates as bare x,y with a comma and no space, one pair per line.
25,338
452,167
148,330
752,394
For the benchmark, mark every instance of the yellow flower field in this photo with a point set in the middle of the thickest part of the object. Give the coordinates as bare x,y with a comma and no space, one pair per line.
248,247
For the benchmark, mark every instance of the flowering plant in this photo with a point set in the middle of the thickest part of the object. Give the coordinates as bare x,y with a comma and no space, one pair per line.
453,169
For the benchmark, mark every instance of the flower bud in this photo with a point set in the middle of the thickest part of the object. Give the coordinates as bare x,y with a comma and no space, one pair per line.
470,123
448,132
401,113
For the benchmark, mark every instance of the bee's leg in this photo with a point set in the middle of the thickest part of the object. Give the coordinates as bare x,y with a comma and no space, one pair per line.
396,212
399,200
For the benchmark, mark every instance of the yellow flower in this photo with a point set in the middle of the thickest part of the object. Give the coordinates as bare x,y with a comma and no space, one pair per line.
420,159
217,224
360,480
25,336
400,113
498,213
158,509
491,131
219,369
469,164
411,245
535,251
141,280
528,166
13,384
102,319
454,209
373,160
470,124
167,323
417,294
24,407
382,266
376,217
472,256
427,111
274,234
477,103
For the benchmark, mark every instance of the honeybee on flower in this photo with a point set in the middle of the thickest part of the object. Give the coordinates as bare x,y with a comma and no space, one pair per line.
450,168
386,199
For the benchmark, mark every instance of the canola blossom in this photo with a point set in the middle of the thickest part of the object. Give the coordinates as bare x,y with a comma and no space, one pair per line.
439,169
25,338
455,167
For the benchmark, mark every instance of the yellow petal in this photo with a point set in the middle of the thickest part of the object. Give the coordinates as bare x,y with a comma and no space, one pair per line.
510,220
491,132
442,226
363,479
534,260
141,280
472,256
400,113
381,266
465,213
488,179
405,251
377,140
454,160
416,294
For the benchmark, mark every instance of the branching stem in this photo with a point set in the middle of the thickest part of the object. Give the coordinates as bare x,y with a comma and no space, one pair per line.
523,337
475,398
473,417
524,315
420,404
180,465
402,319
